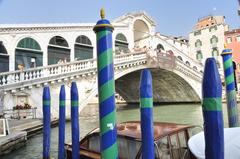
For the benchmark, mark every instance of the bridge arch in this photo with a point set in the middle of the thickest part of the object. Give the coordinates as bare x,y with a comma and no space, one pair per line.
28,53
180,58
141,32
160,47
83,48
167,87
195,68
171,81
188,63
58,50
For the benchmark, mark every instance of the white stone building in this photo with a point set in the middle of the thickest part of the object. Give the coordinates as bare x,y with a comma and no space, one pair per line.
207,39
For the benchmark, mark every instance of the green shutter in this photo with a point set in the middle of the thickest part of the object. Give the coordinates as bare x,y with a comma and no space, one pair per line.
29,43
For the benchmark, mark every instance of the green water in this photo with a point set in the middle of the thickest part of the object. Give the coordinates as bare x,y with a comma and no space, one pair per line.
186,114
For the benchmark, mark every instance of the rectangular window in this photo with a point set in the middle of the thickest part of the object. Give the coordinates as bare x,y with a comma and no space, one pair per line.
238,38
197,32
229,40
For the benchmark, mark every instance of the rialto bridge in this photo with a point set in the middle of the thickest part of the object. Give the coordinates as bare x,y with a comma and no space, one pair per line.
32,56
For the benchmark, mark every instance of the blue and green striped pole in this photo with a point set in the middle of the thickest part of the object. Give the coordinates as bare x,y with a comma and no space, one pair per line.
146,105
230,88
106,89
46,122
212,111
61,128
74,121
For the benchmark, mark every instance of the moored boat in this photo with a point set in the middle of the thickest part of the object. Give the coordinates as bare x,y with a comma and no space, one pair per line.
231,144
170,141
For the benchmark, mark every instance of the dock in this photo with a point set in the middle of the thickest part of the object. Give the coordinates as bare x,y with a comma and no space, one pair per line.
20,131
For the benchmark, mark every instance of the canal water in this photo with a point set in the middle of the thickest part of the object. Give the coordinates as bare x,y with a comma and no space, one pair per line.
185,114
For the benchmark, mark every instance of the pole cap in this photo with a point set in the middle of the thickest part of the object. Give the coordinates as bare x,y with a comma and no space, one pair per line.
226,50
103,24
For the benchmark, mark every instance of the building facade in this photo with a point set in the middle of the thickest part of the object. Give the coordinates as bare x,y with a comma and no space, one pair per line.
232,39
207,39
25,46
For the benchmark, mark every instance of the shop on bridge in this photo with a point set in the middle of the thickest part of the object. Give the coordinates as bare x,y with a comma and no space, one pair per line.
4,58
58,50
83,48
121,44
28,54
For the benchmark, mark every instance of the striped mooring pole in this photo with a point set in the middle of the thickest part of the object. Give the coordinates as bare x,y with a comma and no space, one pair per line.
106,89
212,111
46,122
74,121
146,107
230,88
61,128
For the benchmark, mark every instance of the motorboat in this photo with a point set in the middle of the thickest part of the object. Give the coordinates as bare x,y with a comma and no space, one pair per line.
170,141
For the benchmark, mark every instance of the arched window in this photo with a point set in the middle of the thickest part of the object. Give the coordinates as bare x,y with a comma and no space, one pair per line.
195,68
58,41
58,50
4,58
188,63
160,47
180,58
121,44
198,43
212,28
83,48
215,53
214,39
199,55
28,53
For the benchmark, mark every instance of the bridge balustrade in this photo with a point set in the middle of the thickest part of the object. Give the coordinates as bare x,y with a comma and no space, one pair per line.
17,79
39,73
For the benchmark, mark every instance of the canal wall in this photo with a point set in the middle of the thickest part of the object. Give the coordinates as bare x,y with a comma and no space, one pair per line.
20,131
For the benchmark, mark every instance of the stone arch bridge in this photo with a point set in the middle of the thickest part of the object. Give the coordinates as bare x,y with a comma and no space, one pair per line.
173,80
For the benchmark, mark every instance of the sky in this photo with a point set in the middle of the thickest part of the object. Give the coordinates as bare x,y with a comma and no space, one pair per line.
173,17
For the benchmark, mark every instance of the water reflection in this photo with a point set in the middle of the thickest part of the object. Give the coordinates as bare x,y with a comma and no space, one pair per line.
187,114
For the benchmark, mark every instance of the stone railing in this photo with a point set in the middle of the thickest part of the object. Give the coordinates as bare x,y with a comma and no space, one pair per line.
65,70
187,70
39,75
48,71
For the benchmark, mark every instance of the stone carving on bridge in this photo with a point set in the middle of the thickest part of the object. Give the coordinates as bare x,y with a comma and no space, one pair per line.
161,60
